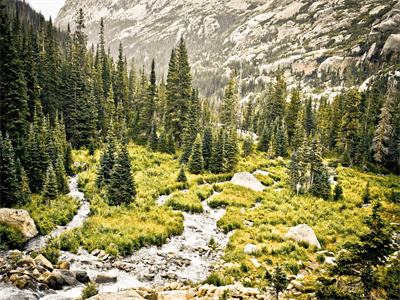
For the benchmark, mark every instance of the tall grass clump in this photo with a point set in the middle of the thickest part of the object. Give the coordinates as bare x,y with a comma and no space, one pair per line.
234,195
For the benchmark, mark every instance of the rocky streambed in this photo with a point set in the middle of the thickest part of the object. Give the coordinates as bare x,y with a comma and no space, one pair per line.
183,259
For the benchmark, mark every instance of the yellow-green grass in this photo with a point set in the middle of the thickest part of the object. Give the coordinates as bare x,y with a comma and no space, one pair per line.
234,195
48,214
191,201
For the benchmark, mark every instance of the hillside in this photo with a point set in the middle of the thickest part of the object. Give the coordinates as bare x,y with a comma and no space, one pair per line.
321,44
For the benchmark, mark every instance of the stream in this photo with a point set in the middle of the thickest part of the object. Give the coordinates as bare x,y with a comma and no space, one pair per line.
186,258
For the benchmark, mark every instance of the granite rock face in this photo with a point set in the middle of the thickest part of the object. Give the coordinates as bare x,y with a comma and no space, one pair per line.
19,219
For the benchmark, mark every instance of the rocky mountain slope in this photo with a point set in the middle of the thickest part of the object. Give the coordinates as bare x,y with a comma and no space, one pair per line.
323,44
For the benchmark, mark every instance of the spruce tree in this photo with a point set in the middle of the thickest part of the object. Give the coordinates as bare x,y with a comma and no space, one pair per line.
9,190
171,143
293,110
23,186
207,146
107,160
122,186
338,192
50,189
279,280
248,145
68,160
162,142
293,170
231,151
152,143
182,176
217,158
196,163
263,143
62,183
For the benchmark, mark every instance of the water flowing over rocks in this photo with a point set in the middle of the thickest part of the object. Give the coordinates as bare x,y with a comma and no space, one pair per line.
77,221
21,220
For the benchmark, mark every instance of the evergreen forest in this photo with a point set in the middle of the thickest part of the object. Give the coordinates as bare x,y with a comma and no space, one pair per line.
141,135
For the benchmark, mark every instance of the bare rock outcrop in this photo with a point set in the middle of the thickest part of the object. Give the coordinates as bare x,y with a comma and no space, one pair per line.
20,219
303,233
247,180
392,45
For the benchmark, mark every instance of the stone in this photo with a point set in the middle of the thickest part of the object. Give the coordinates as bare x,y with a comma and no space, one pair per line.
247,180
392,45
251,248
55,280
42,261
28,261
202,290
303,233
82,276
95,252
124,295
101,253
69,277
255,262
298,285
21,220
330,260
106,279
172,295
65,265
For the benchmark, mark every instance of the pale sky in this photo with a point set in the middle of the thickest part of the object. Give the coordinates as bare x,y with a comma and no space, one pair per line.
47,7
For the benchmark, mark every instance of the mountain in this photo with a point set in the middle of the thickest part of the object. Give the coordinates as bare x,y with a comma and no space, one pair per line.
321,45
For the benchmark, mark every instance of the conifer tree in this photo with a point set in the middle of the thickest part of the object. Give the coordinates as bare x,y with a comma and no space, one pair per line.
62,184
293,110
171,143
248,116
196,163
294,172
162,142
309,119
264,140
152,143
23,186
107,160
299,133
279,280
338,192
381,140
50,190
182,176
231,151
207,143
9,190
68,160
248,145
122,186
217,159
150,105
229,104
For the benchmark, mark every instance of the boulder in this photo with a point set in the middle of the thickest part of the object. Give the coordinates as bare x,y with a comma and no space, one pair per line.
124,295
392,45
172,295
69,277
27,261
55,280
247,180
251,248
40,260
106,279
65,265
21,220
298,285
82,276
303,233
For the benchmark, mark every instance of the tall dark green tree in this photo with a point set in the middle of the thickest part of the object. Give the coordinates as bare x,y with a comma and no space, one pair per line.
293,110
196,163
50,189
217,159
122,186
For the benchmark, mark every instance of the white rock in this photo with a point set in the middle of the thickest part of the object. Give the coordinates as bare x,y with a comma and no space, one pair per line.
303,233
392,45
255,262
251,248
247,180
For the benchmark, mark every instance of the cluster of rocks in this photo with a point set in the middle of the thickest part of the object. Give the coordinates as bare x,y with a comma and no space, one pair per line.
38,273
178,291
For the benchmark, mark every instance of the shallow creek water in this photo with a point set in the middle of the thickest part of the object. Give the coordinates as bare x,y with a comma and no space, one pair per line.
184,258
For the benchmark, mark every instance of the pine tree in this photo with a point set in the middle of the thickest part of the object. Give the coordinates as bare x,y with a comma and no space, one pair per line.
264,141
50,190
229,104
207,146
62,184
196,163
231,151
9,190
150,105
248,145
248,117
23,186
309,119
299,133
152,143
107,160
366,196
293,170
293,110
182,176
338,192
122,186
68,160
217,158
381,140
162,142
279,280
171,143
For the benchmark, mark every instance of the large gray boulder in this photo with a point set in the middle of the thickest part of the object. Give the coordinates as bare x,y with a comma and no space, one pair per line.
247,180
20,219
392,45
303,233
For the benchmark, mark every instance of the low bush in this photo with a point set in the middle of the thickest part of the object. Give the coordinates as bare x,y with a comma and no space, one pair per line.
216,279
51,252
10,237
91,289
189,202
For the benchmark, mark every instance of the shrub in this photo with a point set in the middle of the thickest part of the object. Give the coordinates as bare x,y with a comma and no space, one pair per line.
51,253
91,289
321,258
215,278
10,237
